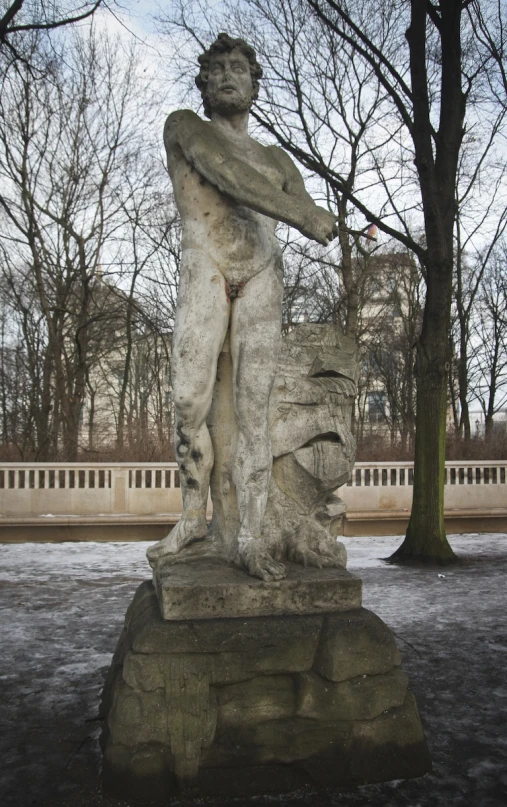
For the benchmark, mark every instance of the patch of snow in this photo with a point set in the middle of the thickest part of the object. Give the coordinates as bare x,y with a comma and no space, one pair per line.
62,609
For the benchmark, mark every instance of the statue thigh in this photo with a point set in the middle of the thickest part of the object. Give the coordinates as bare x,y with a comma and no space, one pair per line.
202,316
256,323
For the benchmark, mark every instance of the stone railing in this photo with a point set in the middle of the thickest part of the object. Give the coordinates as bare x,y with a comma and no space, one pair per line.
388,486
149,493
75,489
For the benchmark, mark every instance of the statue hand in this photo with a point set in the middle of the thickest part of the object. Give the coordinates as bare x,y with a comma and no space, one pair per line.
321,226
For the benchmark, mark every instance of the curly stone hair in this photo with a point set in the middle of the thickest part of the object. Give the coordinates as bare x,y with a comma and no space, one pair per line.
225,44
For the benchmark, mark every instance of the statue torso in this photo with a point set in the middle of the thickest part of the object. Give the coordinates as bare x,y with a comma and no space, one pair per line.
238,240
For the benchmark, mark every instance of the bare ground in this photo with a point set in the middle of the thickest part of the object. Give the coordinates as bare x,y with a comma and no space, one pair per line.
62,608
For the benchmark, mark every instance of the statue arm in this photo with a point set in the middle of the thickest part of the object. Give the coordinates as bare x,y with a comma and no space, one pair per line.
294,182
207,152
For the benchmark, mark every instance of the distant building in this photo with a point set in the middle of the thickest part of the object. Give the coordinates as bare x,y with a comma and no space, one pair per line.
389,318
478,423
142,349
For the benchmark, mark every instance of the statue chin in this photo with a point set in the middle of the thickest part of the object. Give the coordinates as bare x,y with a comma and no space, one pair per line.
228,105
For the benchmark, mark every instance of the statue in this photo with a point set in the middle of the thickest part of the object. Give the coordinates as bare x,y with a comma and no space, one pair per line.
231,191
221,685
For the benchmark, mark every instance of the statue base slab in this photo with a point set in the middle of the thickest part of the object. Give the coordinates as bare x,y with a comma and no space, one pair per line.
249,705
209,588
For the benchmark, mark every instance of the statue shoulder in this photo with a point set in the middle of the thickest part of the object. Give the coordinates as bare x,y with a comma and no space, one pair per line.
281,156
179,125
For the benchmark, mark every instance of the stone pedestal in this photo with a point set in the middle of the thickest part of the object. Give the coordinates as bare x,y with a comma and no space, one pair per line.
256,704
210,588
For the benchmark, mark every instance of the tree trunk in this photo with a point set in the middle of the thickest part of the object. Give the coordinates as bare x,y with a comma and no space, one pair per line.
465,419
347,272
91,421
70,441
456,418
43,453
488,428
464,322
425,540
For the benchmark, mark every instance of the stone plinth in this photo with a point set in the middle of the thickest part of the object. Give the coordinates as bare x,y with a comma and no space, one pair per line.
205,589
246,705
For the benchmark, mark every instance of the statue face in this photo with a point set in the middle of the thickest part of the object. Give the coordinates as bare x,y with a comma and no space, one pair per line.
229,88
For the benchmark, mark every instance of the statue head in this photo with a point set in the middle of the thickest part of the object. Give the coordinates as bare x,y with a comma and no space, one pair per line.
225,45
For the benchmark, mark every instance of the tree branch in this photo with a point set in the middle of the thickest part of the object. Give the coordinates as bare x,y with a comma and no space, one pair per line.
45,26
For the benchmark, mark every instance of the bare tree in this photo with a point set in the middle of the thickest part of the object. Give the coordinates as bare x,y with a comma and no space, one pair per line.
428,81
21,19
488,369
481,221
471,270
65,159
26,363
391,325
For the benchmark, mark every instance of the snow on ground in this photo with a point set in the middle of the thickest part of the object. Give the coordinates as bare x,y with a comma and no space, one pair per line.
62,607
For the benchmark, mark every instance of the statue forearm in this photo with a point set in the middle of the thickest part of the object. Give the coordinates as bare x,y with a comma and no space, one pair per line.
250,188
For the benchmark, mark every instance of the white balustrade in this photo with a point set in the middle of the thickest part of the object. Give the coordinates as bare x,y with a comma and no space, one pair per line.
388,486
77,489
123,489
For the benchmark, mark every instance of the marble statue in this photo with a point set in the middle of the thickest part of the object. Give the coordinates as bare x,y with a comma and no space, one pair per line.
231,192
221,684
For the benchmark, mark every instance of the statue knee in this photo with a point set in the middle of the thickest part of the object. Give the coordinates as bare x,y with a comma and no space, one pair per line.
189,409
189,402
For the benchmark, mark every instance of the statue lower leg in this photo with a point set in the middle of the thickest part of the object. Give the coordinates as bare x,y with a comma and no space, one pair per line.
195,459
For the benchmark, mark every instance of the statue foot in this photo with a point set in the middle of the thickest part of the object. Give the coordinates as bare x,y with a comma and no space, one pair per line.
307,557
312,545
258,563
186,531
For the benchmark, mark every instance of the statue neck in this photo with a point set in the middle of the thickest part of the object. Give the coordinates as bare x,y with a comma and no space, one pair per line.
233,125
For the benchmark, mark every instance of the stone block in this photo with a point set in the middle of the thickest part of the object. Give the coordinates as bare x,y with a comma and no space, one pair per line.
333,752
277,741
263,698
236,649
141,611
391,746
143,774
210,589
355,643
360,698
399,726
136,718
144,672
